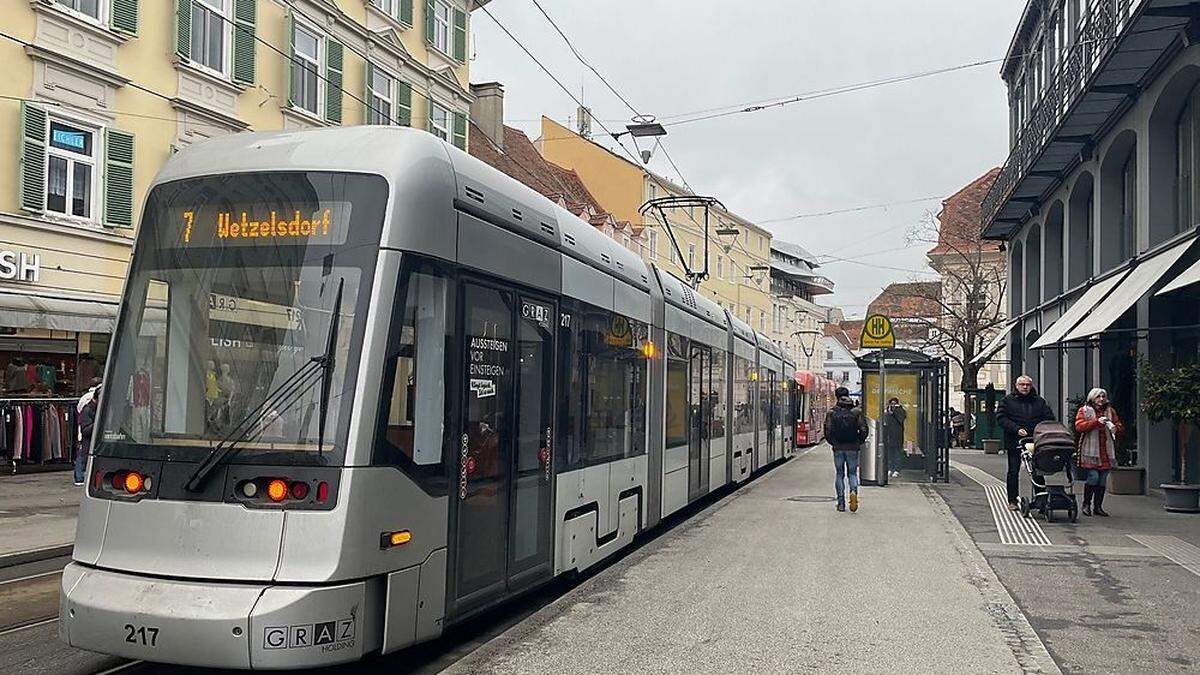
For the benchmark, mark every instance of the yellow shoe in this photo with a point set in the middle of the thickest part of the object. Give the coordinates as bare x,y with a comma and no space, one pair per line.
853,502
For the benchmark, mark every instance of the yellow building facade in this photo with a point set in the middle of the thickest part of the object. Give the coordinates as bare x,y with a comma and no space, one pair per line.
97,94
738,266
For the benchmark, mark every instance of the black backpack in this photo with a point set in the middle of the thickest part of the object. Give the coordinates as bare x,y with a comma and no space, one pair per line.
843,426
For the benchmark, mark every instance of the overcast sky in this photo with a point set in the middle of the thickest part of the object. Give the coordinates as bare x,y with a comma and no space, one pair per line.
892,143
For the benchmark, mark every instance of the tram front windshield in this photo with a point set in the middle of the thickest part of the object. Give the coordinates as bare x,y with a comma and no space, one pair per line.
230,300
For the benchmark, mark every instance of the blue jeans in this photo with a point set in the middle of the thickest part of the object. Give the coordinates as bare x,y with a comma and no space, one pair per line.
1095,477
846,464
81,457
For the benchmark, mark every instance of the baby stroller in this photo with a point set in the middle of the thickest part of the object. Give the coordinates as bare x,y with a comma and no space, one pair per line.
1047,459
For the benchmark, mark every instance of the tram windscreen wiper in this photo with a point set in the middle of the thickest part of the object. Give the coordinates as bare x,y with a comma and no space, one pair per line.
287,393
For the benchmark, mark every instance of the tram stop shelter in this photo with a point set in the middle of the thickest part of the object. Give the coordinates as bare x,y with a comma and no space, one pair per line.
916,441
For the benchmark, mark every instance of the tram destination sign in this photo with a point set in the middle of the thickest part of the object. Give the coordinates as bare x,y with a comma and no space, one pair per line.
877,333
264,224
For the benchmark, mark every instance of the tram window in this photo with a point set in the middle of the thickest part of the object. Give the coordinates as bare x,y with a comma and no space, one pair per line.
677,391
603,379
415,372
743,387
764,399
716,395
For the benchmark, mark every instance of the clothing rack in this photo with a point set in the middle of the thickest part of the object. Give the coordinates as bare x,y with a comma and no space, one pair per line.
57,440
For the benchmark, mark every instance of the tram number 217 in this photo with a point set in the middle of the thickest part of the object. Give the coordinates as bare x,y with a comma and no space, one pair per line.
147,636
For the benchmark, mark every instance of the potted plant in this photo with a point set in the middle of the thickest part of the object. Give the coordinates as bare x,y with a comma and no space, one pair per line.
1174,394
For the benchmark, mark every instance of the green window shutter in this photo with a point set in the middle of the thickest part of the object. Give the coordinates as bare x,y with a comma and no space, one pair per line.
291,69
368,69
406,8
245,16
333,81
118,178
183,29
31,181
429,21
460,36
403,104
460,130
125,16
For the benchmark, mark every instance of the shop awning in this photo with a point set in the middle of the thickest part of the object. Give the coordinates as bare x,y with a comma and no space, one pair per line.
996,344
1189,276
1057,330
1136,284
33,311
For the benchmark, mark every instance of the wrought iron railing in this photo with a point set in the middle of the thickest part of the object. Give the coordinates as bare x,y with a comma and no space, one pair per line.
1100,33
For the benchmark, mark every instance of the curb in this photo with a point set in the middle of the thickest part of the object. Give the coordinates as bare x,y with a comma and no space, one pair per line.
35,555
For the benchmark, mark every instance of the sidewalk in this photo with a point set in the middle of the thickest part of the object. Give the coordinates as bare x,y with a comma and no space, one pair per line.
37,515
1129,514
1116,594
773,579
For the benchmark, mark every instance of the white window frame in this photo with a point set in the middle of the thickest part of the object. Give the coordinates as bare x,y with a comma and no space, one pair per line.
96,163
389,7
444,45
446,132
101,17
691,257
652,243
720,267
319,65
388,97
226,14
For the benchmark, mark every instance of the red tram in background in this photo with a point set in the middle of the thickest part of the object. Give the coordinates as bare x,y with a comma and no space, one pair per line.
814,397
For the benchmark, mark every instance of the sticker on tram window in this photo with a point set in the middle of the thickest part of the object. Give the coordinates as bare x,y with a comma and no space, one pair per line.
487,356
483,388
536,312
330,636
265,224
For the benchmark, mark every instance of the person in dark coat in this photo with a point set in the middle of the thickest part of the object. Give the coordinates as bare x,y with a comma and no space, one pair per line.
894,416
1018,413
845,429
86,415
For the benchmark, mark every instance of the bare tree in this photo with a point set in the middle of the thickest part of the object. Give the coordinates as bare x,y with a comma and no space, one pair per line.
962,313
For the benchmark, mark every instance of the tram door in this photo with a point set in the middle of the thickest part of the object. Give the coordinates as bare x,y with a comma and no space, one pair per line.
700,419
504,475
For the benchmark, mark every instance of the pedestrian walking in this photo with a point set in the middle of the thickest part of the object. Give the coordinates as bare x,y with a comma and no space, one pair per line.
1098,426
86,414
894,416
846,429
1018,413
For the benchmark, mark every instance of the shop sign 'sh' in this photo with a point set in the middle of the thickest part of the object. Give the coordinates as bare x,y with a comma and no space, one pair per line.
877,333
20,266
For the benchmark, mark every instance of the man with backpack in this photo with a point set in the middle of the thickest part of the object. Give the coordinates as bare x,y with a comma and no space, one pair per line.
845,429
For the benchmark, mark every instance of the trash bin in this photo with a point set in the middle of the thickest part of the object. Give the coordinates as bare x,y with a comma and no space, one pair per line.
991,446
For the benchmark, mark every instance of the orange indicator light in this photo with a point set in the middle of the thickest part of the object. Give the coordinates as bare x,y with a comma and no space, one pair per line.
277,490
401,537
648,350
134,482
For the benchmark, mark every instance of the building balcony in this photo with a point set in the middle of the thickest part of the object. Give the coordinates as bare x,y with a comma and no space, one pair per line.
1117,47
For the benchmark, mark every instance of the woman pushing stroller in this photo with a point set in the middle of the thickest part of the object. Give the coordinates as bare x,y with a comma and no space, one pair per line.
1098,427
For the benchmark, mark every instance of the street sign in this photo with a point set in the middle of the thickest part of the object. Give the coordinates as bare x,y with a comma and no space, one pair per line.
877,333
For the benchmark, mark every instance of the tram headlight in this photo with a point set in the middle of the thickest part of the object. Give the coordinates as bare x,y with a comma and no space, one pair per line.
249,489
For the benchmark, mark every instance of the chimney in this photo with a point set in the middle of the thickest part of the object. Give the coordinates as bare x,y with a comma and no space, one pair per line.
487,112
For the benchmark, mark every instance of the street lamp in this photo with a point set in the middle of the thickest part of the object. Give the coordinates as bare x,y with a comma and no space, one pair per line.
810,349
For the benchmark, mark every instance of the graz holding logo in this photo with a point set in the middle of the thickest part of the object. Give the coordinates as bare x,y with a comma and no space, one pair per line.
330,636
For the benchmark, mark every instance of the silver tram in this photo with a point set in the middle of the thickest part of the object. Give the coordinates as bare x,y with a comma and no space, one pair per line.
364,386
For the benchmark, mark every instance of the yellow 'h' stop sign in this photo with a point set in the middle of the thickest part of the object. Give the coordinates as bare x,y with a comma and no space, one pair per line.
877,333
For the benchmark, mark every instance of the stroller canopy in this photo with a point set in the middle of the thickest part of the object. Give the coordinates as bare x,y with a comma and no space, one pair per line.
1053,446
